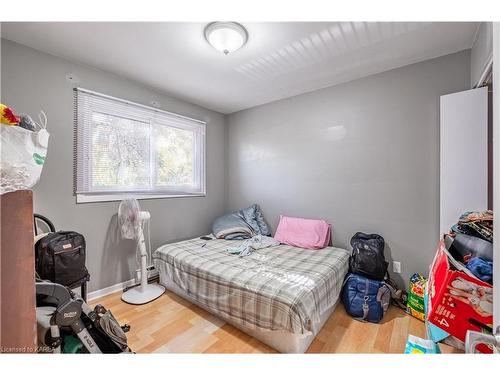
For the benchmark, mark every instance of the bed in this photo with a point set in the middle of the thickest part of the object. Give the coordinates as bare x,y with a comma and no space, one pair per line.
281,295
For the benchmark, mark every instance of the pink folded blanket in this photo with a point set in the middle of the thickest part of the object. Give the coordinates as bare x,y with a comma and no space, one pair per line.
304,233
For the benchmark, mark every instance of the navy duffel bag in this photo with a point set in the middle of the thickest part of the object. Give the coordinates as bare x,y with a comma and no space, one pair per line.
365,299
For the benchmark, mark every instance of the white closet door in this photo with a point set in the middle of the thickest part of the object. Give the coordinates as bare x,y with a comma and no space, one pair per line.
464,155
496,177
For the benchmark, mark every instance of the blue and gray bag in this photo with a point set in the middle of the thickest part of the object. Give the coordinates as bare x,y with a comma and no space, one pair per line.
365,299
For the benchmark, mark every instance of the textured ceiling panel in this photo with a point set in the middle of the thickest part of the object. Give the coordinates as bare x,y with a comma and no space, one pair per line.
280,59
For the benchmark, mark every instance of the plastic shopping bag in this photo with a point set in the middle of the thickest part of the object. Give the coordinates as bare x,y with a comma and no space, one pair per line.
23,154
417,345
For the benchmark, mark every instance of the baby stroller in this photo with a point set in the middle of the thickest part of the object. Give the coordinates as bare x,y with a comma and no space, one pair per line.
66,324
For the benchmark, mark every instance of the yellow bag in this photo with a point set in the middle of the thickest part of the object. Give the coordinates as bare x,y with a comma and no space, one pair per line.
7,116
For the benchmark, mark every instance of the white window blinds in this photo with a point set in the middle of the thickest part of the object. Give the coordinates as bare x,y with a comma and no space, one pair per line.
123,148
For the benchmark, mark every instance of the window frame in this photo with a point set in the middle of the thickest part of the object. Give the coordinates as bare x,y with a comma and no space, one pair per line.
152,117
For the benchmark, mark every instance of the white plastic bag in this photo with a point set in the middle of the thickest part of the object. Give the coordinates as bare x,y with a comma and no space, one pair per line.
23,154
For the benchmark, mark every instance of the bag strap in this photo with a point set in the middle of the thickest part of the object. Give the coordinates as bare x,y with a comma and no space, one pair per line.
366,311
396,293
348,276
366,308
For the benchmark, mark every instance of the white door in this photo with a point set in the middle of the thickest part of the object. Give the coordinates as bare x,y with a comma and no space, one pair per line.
463,155
496,177
473,338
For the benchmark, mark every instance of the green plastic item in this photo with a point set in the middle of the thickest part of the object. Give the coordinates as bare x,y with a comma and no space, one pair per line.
72,345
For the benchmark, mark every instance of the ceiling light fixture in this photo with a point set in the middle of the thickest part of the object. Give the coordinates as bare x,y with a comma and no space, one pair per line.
226,37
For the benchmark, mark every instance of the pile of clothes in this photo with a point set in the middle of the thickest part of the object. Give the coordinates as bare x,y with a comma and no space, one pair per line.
470,242
257,242
250,226
247,225
241,225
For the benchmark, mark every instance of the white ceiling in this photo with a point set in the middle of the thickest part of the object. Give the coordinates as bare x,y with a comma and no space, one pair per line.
281,59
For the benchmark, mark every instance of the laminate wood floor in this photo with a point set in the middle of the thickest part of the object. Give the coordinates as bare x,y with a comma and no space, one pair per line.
171,324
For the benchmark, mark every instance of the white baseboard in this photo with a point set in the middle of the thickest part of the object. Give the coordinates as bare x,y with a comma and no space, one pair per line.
109,290
152,272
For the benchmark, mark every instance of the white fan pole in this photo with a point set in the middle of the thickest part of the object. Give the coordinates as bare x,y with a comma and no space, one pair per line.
144,292
144,257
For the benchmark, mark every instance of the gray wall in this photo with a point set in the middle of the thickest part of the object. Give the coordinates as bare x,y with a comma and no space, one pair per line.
31,81
481,52
363,155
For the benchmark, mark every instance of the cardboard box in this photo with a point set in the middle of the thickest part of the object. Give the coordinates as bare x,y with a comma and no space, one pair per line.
458,301
416,291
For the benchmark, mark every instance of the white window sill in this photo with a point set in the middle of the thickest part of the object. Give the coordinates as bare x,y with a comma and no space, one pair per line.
90,198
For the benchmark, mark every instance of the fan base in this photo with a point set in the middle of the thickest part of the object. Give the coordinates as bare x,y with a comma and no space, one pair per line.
140,295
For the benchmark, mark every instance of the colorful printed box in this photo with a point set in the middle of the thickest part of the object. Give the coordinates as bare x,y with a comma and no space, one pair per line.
416,291
458,302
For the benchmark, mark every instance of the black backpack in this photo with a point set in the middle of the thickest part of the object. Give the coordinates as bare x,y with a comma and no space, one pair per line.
367,257
60,258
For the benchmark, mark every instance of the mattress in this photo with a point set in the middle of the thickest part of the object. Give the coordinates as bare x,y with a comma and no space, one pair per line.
281,288
281,340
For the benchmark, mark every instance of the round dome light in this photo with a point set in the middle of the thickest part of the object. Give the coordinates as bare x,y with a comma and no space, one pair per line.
226,37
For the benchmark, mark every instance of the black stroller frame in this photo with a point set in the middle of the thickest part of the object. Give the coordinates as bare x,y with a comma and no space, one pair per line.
72,312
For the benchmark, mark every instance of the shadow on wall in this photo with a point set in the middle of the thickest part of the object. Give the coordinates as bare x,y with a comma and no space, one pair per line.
398,279
119,255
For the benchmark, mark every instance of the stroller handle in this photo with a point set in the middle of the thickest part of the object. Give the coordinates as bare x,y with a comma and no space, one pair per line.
68,309
57,291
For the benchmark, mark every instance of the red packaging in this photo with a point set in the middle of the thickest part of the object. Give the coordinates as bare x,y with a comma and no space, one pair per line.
458,302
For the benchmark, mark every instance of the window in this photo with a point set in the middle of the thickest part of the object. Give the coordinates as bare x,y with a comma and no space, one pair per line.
124,148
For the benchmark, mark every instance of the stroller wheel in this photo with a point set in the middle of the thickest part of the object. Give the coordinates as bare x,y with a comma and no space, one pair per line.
125,328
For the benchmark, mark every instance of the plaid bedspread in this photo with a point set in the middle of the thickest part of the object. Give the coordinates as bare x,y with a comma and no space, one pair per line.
276,288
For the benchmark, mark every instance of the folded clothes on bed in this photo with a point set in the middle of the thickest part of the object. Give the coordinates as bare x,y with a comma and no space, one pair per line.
241,225
255,243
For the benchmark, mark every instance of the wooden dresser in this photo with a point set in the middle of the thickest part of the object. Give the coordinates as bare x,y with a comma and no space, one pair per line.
17,277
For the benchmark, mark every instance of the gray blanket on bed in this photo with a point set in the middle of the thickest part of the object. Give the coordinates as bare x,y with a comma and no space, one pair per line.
241,224
275,288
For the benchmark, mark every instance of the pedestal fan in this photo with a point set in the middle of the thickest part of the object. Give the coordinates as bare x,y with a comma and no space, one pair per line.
131,220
